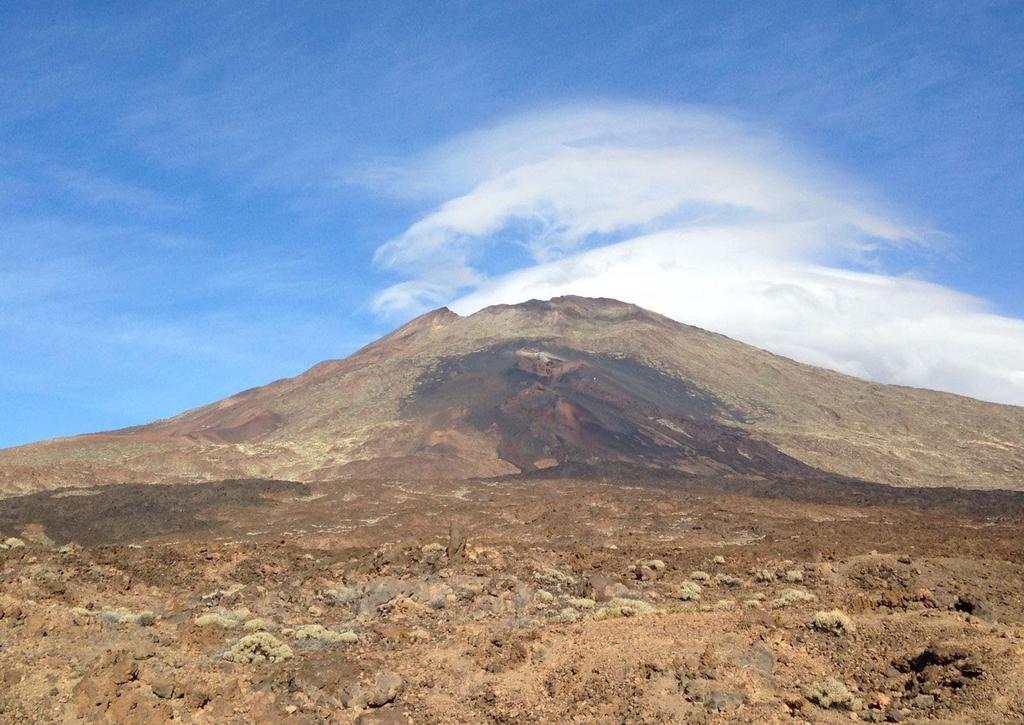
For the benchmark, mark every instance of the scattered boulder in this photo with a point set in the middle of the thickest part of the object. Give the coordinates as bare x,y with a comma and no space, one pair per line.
938,667
162,687
759,658
385,689
605,588
713,696
648,569
974,605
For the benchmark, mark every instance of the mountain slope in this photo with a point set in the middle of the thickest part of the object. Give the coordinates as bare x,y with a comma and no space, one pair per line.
516,388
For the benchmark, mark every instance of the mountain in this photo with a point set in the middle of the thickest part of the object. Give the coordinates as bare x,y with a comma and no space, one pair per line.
569,384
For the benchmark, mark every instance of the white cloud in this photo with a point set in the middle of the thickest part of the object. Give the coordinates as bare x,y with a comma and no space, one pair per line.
701,219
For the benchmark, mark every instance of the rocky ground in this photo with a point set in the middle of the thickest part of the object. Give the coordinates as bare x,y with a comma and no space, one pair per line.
508,601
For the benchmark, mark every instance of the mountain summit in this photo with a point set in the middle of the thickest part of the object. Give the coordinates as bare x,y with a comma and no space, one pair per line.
567,383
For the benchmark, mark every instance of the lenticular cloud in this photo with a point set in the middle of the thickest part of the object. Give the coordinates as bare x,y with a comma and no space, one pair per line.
701,219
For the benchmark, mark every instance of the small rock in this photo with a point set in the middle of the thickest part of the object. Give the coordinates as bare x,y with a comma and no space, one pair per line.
974,605
649,569
759,658
162,688
386,688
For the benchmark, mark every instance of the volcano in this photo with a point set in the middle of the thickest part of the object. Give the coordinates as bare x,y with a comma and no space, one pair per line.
552,386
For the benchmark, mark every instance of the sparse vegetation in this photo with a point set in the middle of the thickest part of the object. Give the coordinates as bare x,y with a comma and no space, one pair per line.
582,603
258,625
553,577
719,560
621,607
340,595
124,616
213,619
729,581
568,614
699,576
689,591
258,647
794,576
320,633
764,576
832,693
834,621
12,542
788,597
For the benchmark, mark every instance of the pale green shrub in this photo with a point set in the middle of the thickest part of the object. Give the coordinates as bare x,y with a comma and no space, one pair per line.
216,620
834,621
788,597
322,634
258,647
582,603
689,591
621,607
832,693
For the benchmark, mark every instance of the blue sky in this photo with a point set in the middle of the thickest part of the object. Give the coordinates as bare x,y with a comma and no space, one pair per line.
192,199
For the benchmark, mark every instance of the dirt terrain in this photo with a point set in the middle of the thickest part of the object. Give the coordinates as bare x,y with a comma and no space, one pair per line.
621,598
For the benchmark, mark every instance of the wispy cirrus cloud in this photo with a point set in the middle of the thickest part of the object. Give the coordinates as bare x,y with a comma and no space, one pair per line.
701,218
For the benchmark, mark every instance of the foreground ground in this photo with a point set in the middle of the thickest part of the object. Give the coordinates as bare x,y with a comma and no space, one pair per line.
510,601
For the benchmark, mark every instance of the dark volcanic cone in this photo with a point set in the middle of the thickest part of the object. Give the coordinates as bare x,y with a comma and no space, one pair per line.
551,405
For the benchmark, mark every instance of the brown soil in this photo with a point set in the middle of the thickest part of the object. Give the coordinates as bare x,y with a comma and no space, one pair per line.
468,602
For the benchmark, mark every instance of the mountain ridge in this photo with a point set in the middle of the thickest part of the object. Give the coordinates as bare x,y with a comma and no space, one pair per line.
499,403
